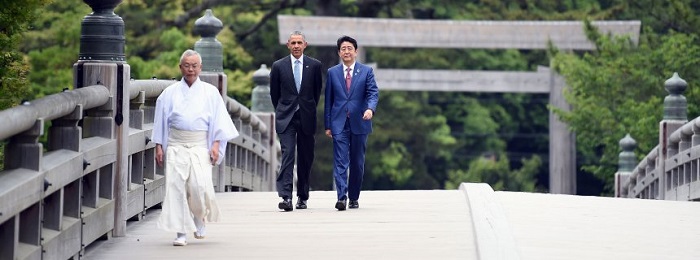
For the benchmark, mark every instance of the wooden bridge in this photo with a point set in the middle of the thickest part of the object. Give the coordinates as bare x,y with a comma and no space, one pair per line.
93,191
471,223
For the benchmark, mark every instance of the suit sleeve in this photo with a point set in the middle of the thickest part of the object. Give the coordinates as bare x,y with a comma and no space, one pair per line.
372,91
160,132
328,103
318,82
275,84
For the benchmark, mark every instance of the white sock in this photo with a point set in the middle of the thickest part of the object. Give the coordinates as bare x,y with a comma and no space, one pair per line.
199,223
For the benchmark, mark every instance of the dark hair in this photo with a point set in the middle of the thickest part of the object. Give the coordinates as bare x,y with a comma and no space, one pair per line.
346,38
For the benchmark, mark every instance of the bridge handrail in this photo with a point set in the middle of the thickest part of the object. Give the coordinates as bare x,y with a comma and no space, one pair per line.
81,165
670,171
678,179
97,168
151,87
643,175
21,118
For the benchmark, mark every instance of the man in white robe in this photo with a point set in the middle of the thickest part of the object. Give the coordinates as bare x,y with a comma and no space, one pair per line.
192,126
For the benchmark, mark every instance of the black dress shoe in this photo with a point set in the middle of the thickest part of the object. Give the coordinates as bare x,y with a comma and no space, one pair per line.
301,204
340,205
354,204
286,205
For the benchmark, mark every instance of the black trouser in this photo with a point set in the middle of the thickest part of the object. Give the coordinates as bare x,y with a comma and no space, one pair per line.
290,140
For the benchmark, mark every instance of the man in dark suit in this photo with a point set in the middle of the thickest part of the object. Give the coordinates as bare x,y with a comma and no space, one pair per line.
295,89
351,99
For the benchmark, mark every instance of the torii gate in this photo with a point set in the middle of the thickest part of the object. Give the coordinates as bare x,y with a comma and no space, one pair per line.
399,33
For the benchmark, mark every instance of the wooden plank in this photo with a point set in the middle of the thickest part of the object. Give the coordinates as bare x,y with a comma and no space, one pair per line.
410,33
135,201
388,225
98,222
462,81
61,167
19,189
62,245
155,191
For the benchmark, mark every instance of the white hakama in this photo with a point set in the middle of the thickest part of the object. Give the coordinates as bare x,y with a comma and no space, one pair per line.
188,120
188,182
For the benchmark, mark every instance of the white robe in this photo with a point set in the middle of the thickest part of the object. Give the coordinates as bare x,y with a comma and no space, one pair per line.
196,108
192,118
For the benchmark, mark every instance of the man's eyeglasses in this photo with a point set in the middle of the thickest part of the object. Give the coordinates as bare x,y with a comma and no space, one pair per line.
187,66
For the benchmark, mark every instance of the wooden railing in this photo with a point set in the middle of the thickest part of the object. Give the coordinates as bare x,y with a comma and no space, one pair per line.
670,170
55,200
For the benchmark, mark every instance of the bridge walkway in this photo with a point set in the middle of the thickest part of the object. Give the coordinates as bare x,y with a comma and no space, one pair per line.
388,225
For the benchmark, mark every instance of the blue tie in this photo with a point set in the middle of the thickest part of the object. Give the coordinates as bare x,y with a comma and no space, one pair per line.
297,75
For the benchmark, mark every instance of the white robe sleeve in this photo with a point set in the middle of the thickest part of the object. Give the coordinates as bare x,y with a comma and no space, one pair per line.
221,127
160,121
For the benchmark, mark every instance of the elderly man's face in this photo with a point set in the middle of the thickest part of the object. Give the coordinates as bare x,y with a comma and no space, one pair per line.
190,68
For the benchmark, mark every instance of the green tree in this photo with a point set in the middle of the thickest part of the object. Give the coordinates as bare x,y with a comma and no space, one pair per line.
420,138
14,21
52,46
14,81
497,173
620,88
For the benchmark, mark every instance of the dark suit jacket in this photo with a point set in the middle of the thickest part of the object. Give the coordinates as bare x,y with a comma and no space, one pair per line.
285,97
340,104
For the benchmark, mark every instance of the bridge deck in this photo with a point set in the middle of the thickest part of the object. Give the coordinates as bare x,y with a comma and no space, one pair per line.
435,224
388,225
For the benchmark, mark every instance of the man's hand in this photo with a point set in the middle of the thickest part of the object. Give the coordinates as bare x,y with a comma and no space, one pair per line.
214,153
368,114
159,155
328,133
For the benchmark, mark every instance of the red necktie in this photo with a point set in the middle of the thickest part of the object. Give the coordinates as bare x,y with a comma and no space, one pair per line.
348,80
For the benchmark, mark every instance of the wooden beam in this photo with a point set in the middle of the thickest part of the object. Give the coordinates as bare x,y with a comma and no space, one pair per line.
409,33
462,81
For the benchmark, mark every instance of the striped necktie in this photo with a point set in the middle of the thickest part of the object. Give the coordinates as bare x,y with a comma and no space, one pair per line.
348,80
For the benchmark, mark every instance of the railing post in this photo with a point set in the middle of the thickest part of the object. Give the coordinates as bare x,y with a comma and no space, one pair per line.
626,164
211,50
24,150
212,53
102,62
65,133
263,109
675,116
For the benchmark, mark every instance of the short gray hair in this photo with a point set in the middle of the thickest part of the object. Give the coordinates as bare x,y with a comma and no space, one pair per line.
298,33
190,52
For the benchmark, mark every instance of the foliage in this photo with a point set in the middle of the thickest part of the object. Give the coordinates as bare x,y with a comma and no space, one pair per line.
14,21
422,140
52,46
620,88
409,144
497,173
661,16
14,81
